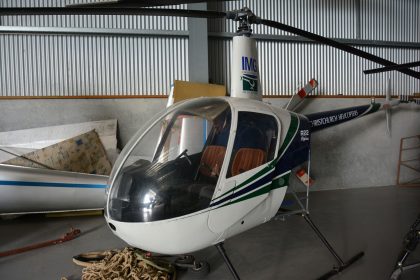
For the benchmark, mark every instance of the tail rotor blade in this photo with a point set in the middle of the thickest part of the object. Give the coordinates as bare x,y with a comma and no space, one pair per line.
298,98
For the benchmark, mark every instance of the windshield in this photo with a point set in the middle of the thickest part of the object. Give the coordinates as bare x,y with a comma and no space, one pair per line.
173,169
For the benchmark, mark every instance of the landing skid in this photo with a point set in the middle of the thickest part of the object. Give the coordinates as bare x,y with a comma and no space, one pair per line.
304,212
411,241
341,265
222,252
199,268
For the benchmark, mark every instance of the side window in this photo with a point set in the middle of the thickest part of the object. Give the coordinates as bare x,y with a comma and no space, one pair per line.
255,142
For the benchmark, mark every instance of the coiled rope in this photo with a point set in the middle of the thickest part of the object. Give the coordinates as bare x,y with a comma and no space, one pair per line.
128,264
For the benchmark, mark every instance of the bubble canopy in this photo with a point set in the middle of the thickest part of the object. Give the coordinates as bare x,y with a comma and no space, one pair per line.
171,168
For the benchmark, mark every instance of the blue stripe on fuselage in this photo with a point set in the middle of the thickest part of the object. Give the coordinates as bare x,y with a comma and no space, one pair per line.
53,185
262,181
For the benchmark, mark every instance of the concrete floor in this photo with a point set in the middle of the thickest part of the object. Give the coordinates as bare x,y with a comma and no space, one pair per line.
374,220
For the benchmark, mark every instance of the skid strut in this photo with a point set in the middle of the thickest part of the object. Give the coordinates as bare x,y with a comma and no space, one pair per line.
341,264
303,210
222,252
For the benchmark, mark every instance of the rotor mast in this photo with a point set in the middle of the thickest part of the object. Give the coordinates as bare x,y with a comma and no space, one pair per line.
245,76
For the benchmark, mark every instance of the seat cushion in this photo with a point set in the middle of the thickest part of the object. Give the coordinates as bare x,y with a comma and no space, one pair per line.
247,159
212,160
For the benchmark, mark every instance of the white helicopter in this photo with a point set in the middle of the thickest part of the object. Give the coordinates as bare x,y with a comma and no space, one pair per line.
206,169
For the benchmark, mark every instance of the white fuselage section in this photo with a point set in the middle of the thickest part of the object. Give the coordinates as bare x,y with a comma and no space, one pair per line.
34,190
245,77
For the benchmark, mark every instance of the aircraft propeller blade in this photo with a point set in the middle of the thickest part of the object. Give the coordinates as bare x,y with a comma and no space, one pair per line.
335,44
137,3
394,67
111,11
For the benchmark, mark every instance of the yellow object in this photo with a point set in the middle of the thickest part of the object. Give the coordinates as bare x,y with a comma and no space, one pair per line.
186,90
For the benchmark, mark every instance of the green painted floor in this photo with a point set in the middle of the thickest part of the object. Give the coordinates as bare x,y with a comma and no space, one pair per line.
373,220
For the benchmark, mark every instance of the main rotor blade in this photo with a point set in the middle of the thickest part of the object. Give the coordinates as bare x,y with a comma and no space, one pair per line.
137,3
394,67
111,11
336,44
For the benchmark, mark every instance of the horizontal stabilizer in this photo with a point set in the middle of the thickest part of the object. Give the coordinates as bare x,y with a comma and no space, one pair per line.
410,99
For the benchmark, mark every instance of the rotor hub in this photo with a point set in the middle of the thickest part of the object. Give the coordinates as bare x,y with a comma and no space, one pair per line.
246,18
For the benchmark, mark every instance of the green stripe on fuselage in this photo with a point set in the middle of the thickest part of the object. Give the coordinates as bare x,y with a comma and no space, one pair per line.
281,182
275,184
256,176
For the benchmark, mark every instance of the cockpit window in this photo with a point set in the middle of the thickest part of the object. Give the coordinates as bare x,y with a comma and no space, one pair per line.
255,142
173,169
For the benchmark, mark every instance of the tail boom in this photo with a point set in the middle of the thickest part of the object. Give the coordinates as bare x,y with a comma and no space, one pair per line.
326,119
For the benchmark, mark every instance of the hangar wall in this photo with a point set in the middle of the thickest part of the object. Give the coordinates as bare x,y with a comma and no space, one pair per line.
355,154
65,56
57,57
78,55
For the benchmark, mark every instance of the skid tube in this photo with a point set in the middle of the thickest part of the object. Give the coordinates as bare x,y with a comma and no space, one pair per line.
303,211
341,264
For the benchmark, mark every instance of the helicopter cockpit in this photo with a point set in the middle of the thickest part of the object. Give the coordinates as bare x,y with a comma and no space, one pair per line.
172,170
173,167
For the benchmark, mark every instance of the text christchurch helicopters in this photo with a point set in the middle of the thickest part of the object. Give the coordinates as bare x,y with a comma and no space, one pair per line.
207,169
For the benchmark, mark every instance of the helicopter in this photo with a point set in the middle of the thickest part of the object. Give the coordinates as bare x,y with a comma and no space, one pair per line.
209,168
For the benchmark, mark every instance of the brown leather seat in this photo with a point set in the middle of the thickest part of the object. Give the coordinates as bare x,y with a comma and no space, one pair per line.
247,159
212,160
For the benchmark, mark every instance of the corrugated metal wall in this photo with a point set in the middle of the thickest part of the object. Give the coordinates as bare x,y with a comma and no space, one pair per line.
118,22
77,65
285,66
69,65
81,65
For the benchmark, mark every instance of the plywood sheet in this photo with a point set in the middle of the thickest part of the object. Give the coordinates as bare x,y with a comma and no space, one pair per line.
84,154
41,137
23,141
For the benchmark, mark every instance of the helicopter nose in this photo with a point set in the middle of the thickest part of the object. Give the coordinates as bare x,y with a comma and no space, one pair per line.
174,236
